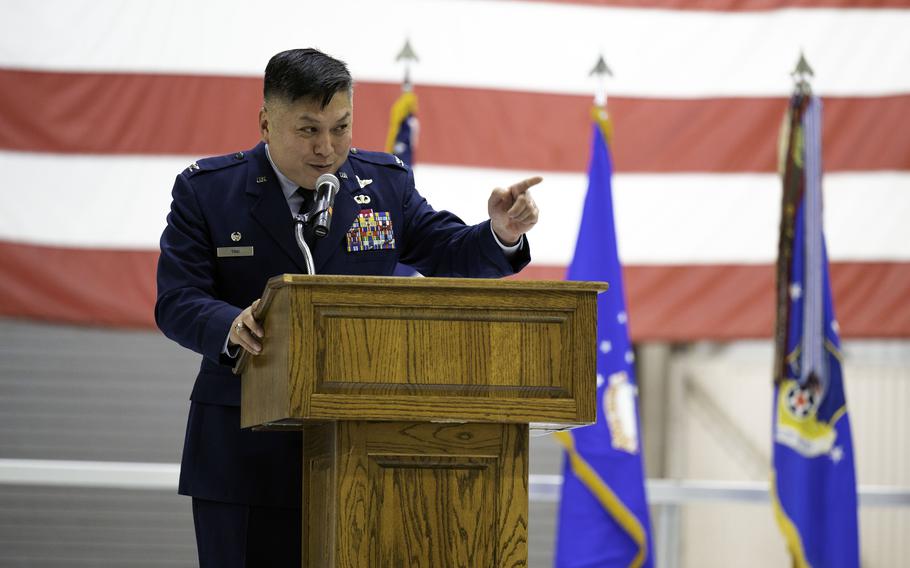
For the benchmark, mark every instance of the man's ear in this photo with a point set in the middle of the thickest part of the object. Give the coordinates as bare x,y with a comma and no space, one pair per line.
264,124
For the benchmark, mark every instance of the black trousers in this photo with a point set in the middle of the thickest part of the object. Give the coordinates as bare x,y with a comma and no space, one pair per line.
242,536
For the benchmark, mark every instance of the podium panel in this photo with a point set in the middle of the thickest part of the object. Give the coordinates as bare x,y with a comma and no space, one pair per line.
379,348
415,494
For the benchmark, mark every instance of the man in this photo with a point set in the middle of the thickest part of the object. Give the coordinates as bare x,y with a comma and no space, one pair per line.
230,229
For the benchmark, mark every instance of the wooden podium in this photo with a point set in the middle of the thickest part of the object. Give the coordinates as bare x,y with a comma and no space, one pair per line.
415,395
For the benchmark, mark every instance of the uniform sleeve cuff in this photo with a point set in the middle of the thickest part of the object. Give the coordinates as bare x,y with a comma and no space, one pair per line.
509,251
228,350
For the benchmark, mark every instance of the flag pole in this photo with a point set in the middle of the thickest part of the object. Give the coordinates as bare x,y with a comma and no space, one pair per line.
801,75
600,71
813,481
407,55
802,89
401,138
603,517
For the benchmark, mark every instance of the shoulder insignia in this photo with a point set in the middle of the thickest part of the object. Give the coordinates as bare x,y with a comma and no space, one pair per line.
216,163
378,158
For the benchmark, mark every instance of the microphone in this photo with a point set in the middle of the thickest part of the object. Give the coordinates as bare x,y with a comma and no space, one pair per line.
326,188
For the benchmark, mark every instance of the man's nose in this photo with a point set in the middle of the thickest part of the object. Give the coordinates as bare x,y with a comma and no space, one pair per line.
323,144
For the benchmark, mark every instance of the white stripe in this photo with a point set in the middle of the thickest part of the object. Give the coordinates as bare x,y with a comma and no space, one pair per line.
535,46
121,202
86,201
692,218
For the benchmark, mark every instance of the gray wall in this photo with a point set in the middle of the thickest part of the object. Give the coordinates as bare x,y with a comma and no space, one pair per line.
71,393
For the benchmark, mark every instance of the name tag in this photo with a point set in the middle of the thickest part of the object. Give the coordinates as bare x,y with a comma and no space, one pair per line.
235,251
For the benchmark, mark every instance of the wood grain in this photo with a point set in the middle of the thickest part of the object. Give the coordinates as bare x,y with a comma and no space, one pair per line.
320,487
266,388
368,346
414,396
416,494
423,349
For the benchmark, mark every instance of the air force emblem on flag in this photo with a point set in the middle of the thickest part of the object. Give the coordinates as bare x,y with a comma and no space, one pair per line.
798,425
619,407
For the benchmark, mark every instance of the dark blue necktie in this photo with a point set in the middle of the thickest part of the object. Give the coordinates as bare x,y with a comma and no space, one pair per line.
309,197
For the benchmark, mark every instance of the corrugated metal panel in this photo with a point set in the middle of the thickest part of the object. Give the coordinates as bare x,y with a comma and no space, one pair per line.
51,527
737,379
91,394
878,396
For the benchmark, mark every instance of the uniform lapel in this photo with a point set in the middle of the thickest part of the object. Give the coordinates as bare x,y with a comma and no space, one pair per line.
343,215
269,207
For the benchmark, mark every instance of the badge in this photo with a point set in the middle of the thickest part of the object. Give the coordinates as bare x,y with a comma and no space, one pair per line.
363,182
362,199
798,424
371,230
235,236
619,407
261,179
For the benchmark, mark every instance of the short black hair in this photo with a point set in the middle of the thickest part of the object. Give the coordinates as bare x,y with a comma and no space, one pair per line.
305,74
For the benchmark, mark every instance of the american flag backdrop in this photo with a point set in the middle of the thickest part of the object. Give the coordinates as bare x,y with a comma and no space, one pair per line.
103,102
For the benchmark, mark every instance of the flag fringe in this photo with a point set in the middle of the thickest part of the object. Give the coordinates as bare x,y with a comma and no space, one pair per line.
791,535
611,503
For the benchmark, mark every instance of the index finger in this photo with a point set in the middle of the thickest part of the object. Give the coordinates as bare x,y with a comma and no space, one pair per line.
524,185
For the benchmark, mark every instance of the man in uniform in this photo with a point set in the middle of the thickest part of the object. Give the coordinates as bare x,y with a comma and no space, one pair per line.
230,229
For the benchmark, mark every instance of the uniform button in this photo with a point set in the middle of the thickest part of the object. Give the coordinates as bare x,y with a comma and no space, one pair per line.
353,150
238,156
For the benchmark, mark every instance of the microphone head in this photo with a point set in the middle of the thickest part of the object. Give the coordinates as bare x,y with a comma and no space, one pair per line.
329,179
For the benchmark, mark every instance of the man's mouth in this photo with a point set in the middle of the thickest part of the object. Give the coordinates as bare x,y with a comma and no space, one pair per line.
321,166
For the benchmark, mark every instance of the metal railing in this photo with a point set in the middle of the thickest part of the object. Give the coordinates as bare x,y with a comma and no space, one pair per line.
667,495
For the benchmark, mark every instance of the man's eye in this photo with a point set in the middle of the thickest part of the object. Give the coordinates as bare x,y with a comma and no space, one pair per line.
308,130
341,128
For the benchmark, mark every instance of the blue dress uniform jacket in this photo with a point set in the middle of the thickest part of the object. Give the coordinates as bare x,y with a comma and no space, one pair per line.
235,202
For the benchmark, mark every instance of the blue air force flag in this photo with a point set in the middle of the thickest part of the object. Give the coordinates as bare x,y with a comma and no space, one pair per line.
401,141
404,128
813,482
603,511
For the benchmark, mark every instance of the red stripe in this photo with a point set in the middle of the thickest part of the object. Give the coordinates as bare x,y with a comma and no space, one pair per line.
200,116
738,5
78,286
725,302
666,303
